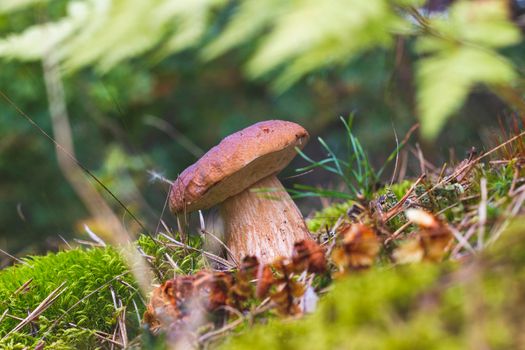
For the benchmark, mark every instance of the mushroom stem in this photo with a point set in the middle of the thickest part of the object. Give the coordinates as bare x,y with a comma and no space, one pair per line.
262,224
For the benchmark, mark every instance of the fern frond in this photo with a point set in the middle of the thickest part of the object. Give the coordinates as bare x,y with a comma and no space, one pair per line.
8,6
461,55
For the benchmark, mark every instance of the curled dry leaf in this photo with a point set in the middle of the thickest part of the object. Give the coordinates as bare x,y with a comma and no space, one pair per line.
409,252
309,256
431,242
171,303
243,286
208,291
286,298
165,307
213,289
422,218
287,288
264,281
358,247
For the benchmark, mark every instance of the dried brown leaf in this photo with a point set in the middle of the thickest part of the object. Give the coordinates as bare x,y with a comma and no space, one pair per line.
358,248
308,255
432,239
243,288
264,281
409,252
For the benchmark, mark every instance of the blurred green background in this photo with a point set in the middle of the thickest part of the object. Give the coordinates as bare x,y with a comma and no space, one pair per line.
156,112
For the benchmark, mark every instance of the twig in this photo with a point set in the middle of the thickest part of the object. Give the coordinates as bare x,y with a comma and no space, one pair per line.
207,336
515,176
3,315
404,166
88,243
15,258
23,286
397,232
172,262
462,242
421,160
396,163
518,203
65,241
139,319
396,209
476,160
122,325
94,236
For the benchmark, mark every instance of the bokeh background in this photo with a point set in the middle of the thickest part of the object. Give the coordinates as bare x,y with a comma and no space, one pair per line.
153,115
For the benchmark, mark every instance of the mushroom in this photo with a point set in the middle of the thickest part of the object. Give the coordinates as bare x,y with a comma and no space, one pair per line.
265,225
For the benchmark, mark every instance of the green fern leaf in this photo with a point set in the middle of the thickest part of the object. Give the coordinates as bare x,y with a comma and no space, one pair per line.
446,79
7,6
251,18
316,34
460,56
39,40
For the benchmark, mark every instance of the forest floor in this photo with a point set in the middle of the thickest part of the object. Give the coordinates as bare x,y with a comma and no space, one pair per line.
434,262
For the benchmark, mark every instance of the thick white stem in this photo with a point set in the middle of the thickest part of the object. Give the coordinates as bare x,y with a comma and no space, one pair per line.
263,224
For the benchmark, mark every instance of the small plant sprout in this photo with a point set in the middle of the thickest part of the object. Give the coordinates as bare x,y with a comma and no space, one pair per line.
356,171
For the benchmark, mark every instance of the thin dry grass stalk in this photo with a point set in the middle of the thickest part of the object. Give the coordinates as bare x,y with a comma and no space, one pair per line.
74,174
43,306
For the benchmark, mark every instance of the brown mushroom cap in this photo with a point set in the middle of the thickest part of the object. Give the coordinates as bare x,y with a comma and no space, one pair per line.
236,163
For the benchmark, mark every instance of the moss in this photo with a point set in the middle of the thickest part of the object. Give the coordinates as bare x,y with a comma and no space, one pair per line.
89,275
83,272
328,216
476,305
370,310
425,306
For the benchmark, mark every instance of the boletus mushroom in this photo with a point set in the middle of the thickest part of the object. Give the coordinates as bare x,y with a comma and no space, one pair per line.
262,224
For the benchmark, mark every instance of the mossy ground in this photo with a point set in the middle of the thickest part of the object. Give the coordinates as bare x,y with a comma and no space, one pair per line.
86,305
98,287
471,301
450,306
447,306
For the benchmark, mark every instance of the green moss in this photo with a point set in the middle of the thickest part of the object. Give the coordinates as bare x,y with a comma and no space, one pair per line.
399,189
365,311
89,275
499,179
328,216
476,305
425,306
83,272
